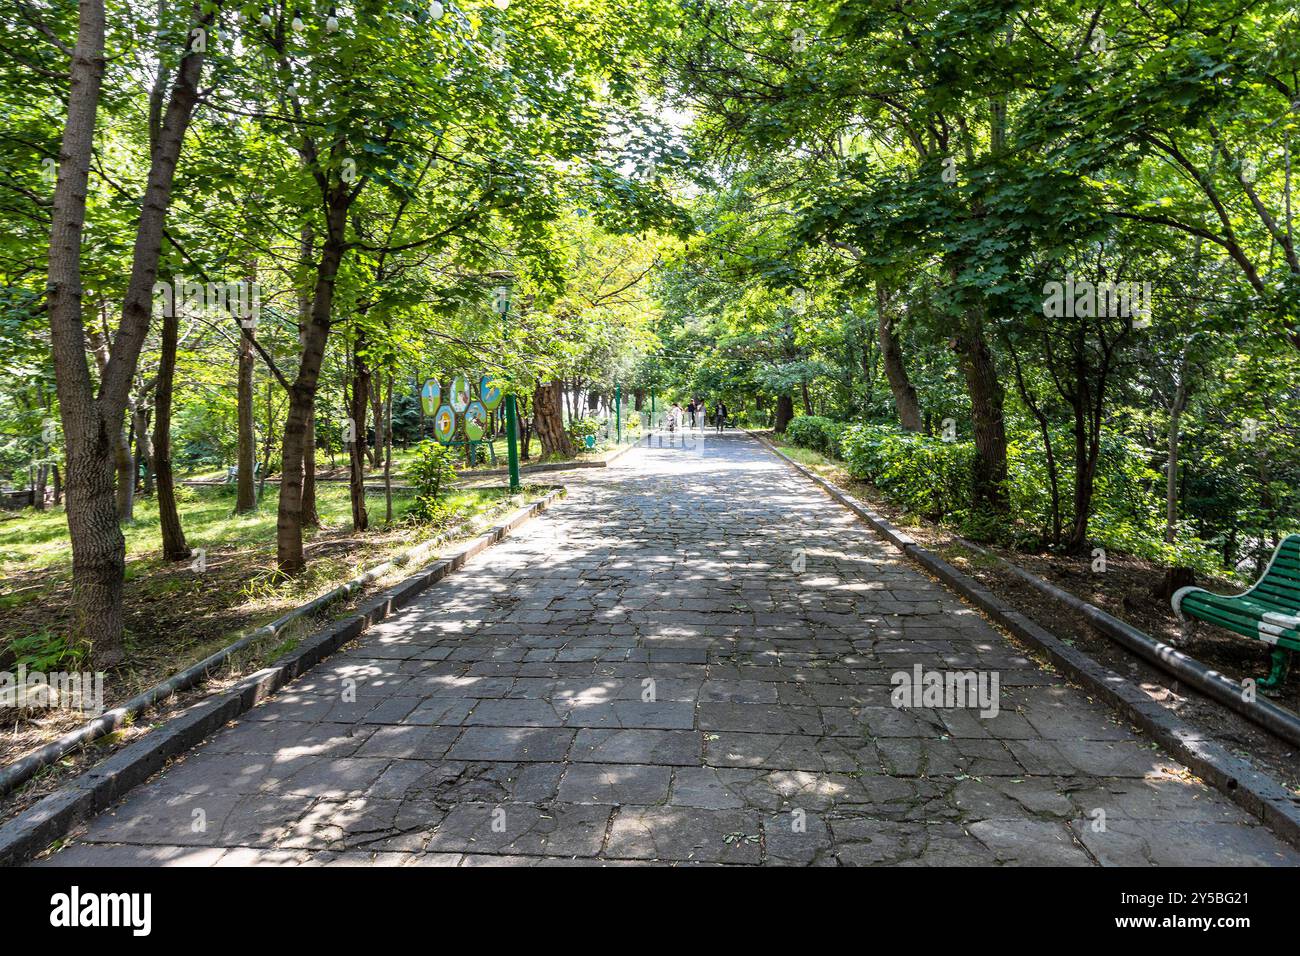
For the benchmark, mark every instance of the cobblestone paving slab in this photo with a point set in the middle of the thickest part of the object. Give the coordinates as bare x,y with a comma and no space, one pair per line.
690,660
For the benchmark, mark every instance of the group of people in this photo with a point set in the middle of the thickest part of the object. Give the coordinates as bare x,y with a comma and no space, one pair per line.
699,414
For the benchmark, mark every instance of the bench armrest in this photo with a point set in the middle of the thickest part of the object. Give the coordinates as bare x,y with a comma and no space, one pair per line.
1176,602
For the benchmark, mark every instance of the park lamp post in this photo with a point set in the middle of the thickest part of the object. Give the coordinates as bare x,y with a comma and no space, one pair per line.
501,302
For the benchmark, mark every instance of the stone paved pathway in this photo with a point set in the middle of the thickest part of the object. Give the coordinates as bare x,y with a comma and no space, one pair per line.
641,675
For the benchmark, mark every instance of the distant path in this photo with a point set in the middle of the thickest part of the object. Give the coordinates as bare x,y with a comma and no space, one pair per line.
642,675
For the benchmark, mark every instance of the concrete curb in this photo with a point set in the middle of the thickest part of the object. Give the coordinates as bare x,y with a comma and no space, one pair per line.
104,784
1255,792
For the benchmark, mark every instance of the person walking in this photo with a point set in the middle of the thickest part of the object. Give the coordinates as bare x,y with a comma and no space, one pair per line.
720,414
691,407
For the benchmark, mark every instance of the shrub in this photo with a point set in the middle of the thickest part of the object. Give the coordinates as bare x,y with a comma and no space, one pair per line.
580,428
432,470
926,475
815,432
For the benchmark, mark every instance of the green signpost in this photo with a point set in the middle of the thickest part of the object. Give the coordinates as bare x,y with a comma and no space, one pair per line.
502,301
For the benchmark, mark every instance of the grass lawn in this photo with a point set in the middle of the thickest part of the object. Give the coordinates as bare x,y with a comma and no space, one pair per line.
33,540
176,612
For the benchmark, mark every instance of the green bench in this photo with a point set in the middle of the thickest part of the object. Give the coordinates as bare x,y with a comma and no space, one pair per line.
1268,612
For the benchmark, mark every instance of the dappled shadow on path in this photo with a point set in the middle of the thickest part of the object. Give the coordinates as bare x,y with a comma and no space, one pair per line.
690,653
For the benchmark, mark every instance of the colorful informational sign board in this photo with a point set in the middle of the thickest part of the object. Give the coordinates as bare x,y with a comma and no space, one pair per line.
464,409
460,393
430,397
444,424
489,393
476,421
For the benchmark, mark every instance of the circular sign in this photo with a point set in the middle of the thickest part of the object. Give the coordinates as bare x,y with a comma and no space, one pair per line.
591,441
475,421
444,424
489,394
430,396
460,394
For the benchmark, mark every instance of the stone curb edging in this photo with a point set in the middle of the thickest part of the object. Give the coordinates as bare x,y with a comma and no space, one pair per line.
1255,792
104,784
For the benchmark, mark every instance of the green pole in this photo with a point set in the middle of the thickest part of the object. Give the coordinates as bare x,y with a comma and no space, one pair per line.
512,425
618,415
512,443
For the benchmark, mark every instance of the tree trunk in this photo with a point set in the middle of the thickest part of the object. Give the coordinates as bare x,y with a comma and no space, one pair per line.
784,412
58,485
310,513
388,454
1087,442
98,548
42,479
173,535
525,421
1174,579
302,393
807,401
288,537
245,492
268,442
357,447
905,400
986,413
1171,462
93,423
1085,467
377,415
143,457
548,420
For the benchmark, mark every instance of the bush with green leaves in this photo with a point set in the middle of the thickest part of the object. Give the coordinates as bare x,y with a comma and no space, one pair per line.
1127,511
580,428
926,475
432,471
815,432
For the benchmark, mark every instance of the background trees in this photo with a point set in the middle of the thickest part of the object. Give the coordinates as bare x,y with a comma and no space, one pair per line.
895,186
365,168
844,210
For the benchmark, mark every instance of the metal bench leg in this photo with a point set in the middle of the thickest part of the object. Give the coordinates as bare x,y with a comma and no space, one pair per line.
1277,675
